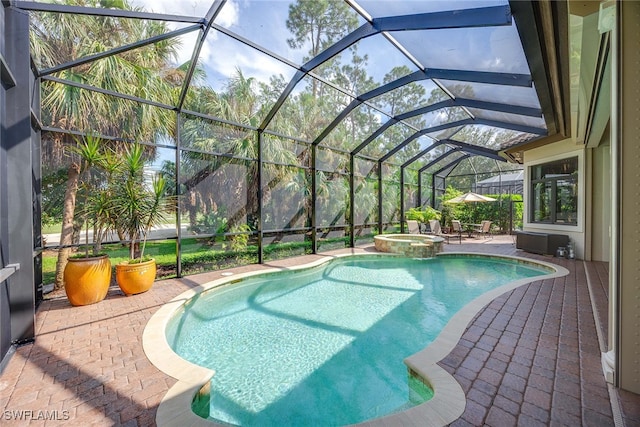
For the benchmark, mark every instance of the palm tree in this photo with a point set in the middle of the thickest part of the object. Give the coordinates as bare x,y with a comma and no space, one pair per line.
238,102
59,38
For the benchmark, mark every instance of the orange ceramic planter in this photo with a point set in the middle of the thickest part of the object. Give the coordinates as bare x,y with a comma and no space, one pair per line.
136,278
86,280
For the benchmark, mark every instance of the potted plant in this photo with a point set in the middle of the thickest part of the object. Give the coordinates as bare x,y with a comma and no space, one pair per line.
87,275
138,206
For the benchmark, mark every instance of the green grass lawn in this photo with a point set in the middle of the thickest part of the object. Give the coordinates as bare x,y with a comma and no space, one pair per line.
164,253
199,255
51,228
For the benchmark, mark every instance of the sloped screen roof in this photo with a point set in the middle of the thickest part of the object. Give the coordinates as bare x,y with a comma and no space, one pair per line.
404,82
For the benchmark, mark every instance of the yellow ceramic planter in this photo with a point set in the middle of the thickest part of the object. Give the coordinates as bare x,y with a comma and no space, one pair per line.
136,278
86,280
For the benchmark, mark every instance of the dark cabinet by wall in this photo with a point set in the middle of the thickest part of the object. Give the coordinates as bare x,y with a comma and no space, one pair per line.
540,243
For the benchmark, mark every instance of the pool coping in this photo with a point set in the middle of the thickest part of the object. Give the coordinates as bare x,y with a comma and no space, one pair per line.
406,238
449,399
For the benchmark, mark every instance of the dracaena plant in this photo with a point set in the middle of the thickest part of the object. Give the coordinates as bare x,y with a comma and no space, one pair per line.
91,194
137,204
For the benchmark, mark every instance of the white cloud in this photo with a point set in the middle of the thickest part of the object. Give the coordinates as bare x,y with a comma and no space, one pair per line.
175,7
224,56
228,16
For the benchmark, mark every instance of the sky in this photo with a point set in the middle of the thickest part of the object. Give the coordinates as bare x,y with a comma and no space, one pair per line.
263,22
220,54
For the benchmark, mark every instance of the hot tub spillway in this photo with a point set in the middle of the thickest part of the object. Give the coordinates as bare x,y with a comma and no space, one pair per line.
411,245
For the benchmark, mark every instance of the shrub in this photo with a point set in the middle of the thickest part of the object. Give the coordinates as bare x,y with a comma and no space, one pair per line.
422,215
211,223
239,242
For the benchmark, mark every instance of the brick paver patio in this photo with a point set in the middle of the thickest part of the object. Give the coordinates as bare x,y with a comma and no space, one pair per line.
531,357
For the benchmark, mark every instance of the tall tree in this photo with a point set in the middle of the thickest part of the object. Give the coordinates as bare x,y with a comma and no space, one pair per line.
404,98
242,102
318,24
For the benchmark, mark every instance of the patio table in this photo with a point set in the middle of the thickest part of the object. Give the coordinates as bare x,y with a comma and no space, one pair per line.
470,228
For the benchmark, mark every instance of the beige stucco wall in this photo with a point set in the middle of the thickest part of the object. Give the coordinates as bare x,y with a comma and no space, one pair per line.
599,204
628,132
551,152
591,236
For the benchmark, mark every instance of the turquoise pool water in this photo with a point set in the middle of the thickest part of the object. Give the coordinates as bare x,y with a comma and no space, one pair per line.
325,346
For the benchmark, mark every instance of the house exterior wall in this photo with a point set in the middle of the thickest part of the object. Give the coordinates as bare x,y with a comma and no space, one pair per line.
560,150
628,134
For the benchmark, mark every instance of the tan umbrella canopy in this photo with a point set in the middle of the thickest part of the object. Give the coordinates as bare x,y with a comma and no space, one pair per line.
470,197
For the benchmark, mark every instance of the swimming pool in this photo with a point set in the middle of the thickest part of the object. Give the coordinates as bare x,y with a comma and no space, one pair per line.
271,354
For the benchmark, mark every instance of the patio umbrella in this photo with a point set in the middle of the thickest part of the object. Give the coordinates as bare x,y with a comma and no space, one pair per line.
471,197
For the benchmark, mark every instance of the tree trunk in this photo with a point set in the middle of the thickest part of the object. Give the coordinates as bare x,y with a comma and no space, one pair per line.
192,207
78,223
121,236
66,235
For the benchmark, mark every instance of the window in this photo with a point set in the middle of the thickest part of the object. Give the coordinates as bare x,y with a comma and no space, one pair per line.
554,192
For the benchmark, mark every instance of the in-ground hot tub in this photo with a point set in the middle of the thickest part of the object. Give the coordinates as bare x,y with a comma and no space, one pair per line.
412,245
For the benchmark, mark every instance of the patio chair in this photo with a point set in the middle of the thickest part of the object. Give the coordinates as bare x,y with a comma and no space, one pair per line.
436,229
456,227
413,226
484,229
